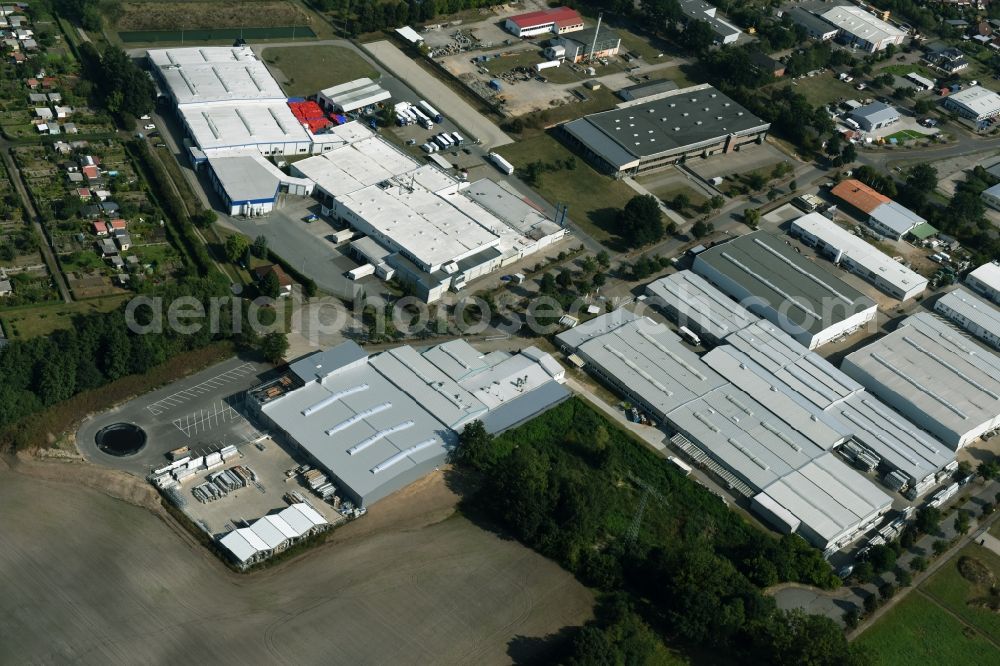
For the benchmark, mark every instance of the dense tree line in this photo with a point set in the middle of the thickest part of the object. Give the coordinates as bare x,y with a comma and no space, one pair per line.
361,16
120,86
565,484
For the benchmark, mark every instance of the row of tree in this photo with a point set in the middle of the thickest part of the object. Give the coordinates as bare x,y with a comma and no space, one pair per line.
569,485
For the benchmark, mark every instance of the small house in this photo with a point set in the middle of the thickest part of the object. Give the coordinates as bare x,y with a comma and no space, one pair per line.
102,195
44,113
117,262
284,282
83,193
5,288
55,97
100,228
91,172
63,111
75,177
37,98
117,225
107,247
124,241
32,83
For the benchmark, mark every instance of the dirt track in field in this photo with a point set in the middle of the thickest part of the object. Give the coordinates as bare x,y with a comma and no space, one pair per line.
91,579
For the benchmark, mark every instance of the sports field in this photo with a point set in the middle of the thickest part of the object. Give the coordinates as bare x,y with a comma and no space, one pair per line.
90,579
946,620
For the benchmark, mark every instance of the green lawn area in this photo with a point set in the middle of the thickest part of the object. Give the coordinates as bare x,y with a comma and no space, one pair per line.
307,69
903,70
594,199
32,321
906,135
825,88
647,49
954,591
918,632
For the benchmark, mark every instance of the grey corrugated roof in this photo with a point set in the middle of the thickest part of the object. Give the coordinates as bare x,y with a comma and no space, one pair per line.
577,335
696,300
898,218
781,280
516,412
811,21
973,308
649,88
933,374
875,112
601,144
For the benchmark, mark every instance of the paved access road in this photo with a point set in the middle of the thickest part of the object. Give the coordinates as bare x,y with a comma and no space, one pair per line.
443,98
197,411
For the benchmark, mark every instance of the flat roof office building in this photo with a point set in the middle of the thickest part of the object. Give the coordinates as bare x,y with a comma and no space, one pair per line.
858,256
762,273
863,30
654,132
378,423
934,376
975,103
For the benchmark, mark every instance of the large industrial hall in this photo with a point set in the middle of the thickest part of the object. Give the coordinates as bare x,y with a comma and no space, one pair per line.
765,443
378,423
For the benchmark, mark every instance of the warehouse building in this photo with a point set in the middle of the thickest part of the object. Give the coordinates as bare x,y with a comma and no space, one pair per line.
816,26
934,376
858,256
352,96
875,116
558,20
213,74
858,28
646,89
764,274
440,232
377,423
885,216
699,10
588,44
976,315
975,103
647,363
692,301
889,442
985,281
250,185
762,442
654,132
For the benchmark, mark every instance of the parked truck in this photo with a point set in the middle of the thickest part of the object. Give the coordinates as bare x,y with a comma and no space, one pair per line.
501,163
430,111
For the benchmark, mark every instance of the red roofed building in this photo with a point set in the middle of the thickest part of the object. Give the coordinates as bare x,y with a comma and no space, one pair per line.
118,225
49,82
559,20
91,172
859,195
100,228
83,193
284,282
32,84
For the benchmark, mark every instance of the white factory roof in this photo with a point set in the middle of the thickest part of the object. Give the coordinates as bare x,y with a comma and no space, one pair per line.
514,377
828,497
432,227
363,161
214,126
243,543
977,99
249,176
652,362
271,531
861,24
860,251
694,298
927,368
597,326
215,74
457,359
356,94
975,309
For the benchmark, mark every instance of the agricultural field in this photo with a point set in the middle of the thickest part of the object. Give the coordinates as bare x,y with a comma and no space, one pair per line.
90,578
197,14
303,70
594,199
950,618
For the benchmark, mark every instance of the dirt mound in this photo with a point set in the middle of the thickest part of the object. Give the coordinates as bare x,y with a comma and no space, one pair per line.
113,483
975,571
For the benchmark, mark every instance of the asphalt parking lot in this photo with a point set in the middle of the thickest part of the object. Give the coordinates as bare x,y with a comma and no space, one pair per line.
203,412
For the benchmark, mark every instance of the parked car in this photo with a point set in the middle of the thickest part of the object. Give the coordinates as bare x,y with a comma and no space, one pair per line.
149,126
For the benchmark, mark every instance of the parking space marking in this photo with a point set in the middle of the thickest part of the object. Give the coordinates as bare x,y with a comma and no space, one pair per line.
207,386
219,413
